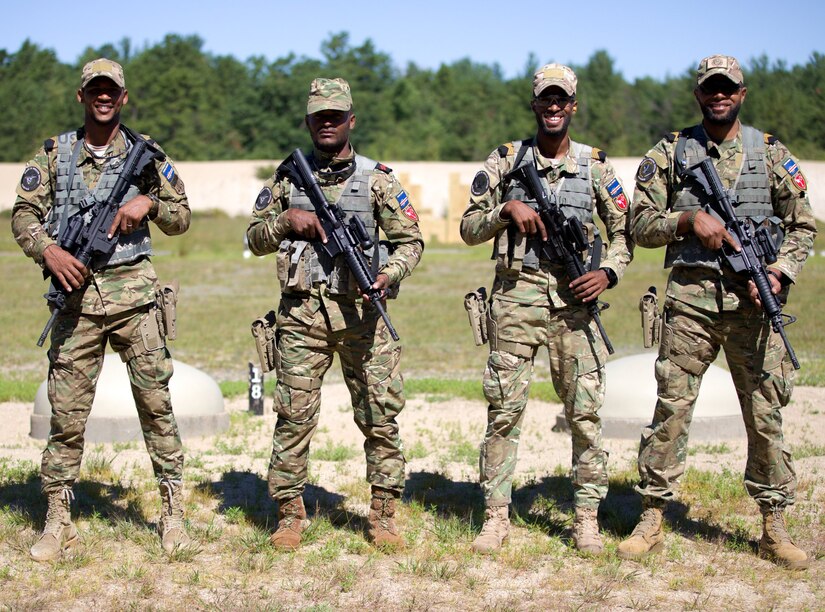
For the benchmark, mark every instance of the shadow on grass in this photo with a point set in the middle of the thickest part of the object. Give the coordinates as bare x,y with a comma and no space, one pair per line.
620,512
547,504
447,498
90,499
249,492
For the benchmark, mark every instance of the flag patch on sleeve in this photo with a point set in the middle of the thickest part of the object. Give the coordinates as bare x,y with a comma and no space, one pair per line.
793,169
617,194
405,205
169,172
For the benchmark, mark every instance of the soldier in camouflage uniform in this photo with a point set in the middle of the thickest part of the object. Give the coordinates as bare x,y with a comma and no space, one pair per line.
709,307
533,302
111,301
322,312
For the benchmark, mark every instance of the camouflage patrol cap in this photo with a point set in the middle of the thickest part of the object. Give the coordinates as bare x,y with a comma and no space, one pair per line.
102,67
329,94
554,74
725,65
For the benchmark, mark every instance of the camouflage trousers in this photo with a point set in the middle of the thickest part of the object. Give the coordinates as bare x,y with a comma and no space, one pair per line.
370,361
577,358
763,377
78,344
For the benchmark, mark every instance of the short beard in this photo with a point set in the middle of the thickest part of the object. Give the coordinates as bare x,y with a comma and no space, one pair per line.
729,118
555,132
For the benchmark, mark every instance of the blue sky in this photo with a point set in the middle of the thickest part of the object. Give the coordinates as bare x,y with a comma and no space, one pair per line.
643,38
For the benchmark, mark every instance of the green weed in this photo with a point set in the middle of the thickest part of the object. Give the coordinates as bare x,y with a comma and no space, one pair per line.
332,451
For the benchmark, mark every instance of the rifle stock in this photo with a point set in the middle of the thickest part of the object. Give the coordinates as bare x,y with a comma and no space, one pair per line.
747,260
345,239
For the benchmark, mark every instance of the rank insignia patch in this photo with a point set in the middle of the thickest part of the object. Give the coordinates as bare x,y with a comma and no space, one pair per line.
30,179
481,183
406,207
617,194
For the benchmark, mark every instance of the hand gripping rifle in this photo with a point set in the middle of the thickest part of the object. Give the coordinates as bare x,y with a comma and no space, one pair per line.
566,238
755,245
86,234
347,239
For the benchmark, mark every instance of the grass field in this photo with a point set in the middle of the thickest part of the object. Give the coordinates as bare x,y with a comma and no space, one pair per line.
712,533
221,293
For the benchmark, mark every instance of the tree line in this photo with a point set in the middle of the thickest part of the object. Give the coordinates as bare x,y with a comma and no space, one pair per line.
201,106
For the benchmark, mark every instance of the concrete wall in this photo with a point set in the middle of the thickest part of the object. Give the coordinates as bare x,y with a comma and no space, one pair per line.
439,189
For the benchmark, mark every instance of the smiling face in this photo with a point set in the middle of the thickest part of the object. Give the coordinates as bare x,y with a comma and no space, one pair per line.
554,110
720,99
102,99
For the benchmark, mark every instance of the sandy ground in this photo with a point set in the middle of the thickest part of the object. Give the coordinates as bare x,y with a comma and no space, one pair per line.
433,425
441,438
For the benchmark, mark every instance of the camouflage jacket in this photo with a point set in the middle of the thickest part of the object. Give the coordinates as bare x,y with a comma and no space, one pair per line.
393,211
653,224
111,289
482,221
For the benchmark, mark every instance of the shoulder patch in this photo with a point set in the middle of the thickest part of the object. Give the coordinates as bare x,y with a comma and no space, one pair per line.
506,149
614,188
30,179
383,168
797,177
264,198
647,168
405,205
598,154
48,145
169,173
770,139
481,183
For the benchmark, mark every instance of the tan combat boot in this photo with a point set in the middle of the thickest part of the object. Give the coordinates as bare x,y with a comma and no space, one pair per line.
292,521
495,530
647,537
170,527
586,535
776,544
382,531
59,533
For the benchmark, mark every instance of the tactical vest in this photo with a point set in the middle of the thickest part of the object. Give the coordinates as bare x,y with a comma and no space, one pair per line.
574,195
751,193
354,201
72,197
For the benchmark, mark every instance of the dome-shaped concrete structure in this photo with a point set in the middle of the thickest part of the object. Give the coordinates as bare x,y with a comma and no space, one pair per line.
196,400
630,400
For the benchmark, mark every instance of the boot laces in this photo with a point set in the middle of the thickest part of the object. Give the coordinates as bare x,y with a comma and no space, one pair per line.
289,515
170,495
492,521
778,526
587,524
647,521
59,504
384,512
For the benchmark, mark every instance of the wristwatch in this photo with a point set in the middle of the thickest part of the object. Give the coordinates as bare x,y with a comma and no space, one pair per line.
612,279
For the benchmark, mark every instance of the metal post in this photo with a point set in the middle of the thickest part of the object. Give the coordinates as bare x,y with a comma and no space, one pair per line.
256,389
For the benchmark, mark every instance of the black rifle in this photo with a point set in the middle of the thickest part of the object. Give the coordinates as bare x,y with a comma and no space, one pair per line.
566,237
755,246
347,239
86,234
